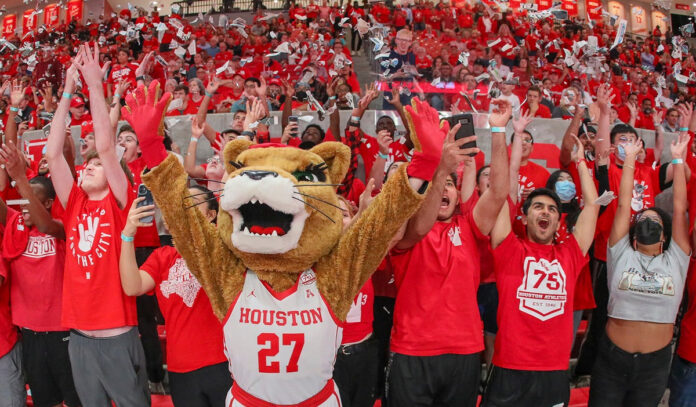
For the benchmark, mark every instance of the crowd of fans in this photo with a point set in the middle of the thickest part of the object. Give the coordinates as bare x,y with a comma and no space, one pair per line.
499,265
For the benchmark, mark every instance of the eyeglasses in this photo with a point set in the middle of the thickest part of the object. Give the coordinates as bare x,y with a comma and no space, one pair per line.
212,160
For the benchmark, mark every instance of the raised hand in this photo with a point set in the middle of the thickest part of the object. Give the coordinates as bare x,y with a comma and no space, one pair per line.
213,85
288,89
501,114
135,215
604,98
122,88
384,140
366,197
580,149
17,93
12,160
196,128
632,108
679,146
89,66
633,149
144,66
686,110
145,113
263,88
521,123
72,75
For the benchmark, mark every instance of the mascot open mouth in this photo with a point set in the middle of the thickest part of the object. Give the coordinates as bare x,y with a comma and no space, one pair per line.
267,212
259,219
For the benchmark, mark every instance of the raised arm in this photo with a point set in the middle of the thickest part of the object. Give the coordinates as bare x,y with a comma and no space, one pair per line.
134,281
468,185
421,223
202,113
378,167
659,136
487,208
680,222
603,141
568,143
519,125
584,229
195,237
61,172
622,218
11,158
16,97
193,170
103,132
115,110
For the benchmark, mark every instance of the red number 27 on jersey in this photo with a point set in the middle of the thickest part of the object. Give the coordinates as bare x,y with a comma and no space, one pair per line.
272,343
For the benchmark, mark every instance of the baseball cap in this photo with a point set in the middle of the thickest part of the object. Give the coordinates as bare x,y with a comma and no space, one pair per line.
86,128
77,101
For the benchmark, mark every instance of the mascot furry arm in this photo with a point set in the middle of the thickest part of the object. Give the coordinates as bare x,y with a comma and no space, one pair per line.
279,212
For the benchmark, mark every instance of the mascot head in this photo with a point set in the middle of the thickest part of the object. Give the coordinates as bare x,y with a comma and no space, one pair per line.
279,210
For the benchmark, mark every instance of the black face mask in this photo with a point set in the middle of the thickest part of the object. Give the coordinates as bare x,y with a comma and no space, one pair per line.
648,231
301,95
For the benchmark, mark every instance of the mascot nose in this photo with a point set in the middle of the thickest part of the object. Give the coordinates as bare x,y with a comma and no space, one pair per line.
258,175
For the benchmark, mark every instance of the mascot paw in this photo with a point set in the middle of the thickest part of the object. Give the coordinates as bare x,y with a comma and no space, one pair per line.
145,113
428,136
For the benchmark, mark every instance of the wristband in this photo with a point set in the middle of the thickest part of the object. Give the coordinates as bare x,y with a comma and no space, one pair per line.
353,124
67,95
128,239
140,78
677,161
355,119
117,96
210,95
629,166
14,109
382,156
683,129
332,97
193,140
497,129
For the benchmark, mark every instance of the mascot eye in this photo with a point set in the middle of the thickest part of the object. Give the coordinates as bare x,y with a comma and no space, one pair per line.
313,173
305,176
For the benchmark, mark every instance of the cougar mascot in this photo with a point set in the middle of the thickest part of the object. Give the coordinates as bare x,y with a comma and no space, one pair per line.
278,270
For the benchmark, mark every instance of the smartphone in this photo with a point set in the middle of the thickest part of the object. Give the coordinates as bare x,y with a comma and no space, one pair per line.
293,119
465,130
143,192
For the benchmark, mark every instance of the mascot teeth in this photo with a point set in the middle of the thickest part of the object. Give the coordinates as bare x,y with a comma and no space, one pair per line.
268,215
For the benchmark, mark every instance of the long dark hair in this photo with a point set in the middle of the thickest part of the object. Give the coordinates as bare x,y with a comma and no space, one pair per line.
209,197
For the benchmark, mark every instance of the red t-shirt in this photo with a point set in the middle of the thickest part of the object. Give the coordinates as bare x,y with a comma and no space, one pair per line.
535,285
36,263
358,323
92,294
194,334
436,280
121,72
8,332
542,111
687,336
646,186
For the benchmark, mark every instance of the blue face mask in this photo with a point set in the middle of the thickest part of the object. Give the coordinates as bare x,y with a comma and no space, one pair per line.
565,190
620,152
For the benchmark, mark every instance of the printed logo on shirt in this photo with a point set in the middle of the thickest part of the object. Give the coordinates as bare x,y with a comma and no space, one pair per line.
40,246
454,236
355,313
180,281
92,240
646,282
308,277
640,194
543,290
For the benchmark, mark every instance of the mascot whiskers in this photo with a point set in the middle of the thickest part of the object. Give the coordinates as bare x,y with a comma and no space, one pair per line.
278,270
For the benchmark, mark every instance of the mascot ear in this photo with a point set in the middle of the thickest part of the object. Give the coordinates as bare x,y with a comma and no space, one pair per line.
337,156
232,151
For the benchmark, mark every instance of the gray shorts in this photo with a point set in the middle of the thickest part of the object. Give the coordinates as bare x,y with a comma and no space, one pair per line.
11,379
109,369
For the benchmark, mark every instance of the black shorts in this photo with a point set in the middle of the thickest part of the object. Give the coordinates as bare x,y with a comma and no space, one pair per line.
207,386
47,367
442,380
526,388
487,297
